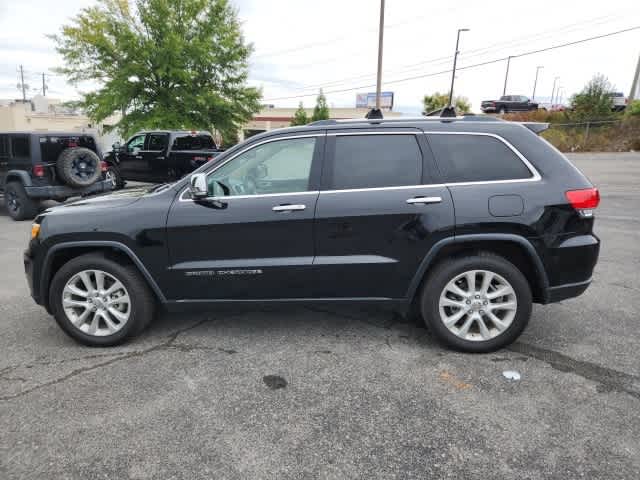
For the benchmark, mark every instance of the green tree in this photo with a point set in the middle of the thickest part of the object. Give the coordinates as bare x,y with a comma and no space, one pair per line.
438,101
161,63
300,117
594,102
321,110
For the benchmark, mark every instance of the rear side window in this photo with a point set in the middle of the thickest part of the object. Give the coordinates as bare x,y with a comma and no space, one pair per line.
20,146
476,158
4,146
193,142
368,161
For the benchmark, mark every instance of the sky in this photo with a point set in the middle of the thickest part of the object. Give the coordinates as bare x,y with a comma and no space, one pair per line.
302,46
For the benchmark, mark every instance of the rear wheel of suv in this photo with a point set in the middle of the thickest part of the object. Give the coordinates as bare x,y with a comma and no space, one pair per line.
99,302
477,303
18,204
79,167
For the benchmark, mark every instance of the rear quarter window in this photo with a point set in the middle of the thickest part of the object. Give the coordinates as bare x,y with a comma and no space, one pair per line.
476,158
20,146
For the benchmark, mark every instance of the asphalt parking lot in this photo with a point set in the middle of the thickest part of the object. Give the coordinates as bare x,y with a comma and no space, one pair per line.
367,395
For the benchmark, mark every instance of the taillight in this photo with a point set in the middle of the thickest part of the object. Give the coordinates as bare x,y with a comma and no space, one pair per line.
584,201
104,166
38,171
209,159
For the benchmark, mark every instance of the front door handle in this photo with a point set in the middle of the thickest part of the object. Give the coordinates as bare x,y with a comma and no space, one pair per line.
288,208
424,200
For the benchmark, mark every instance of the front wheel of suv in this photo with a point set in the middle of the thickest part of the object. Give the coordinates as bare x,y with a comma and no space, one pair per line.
100,302
476,303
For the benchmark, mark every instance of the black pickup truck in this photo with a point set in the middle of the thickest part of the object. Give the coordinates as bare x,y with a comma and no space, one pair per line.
159,156
508,103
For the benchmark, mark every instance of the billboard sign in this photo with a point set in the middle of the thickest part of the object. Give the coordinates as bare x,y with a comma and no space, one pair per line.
368,100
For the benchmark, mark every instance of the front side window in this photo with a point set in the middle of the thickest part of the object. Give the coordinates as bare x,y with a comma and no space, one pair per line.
157,141
370,161
476,158
281,166
136,142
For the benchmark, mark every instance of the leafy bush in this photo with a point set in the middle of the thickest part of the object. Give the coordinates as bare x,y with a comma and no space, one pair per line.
594,102
439,100
633,109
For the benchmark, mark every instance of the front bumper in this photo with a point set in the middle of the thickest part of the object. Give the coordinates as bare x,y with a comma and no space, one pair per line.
28,271
488,109
64,191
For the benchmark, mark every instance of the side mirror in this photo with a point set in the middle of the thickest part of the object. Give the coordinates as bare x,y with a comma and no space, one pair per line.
116,146
198,186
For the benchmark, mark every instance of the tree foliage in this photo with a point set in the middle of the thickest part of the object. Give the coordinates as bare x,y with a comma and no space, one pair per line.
438,101
594,102
162,63
300,117
321,110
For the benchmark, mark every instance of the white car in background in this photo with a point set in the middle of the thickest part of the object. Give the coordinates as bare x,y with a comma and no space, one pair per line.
619,101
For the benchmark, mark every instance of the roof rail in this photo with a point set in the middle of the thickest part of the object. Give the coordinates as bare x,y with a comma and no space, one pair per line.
536,127
322,122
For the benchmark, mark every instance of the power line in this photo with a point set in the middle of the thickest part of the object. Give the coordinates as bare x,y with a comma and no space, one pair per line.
478,52
407,79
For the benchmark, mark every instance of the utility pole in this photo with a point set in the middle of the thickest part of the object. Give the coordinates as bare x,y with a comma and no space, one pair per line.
506,76
44,86
553,92
455,61
22,85
535,82
377,113
634,85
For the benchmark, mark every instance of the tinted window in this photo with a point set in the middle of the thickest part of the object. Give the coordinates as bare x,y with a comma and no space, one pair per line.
20,146
367,161
4,146
193,142
282,166
157,141
476,158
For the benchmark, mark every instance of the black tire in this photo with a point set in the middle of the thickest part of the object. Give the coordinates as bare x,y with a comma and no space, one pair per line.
113,173
448,270
79,167
18,204
142,299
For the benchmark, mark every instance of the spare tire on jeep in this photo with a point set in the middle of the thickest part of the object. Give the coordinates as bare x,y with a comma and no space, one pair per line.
79,167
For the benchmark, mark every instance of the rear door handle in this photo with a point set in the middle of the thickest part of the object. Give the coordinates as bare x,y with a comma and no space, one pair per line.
288,208
424,200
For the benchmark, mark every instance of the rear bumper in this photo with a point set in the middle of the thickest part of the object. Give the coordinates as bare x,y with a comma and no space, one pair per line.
64,191
569,266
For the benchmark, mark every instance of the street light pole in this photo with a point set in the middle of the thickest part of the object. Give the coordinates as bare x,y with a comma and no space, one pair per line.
553,92
506,76
535,82
376,112
455,61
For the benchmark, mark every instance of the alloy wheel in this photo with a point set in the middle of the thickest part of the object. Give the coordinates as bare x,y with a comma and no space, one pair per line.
478,305
96,303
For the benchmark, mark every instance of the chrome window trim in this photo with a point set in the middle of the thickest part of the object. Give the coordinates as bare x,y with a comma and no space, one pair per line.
240,152
535,175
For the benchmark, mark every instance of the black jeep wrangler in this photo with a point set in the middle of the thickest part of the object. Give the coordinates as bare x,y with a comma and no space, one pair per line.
48,166
467,222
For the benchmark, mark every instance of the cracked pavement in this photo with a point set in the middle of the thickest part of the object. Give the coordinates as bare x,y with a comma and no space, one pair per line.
333,392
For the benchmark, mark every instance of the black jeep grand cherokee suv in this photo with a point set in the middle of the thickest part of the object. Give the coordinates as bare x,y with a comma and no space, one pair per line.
465,221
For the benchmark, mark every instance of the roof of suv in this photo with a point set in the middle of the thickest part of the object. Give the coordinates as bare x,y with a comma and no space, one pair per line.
468,123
